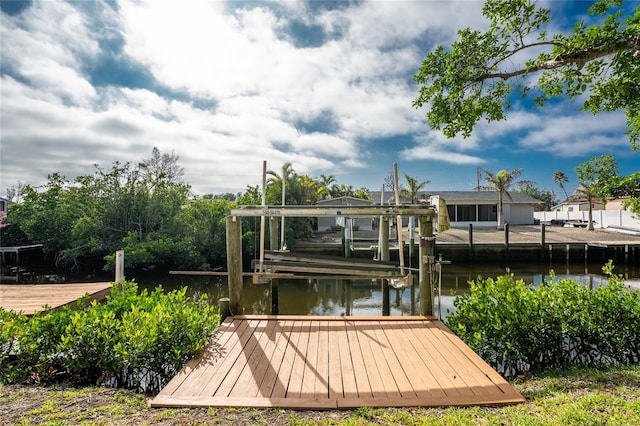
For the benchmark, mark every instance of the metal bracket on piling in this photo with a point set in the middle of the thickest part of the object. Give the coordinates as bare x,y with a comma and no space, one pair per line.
424,241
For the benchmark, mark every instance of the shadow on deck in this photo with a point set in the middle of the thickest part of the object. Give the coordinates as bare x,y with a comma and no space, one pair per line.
306,362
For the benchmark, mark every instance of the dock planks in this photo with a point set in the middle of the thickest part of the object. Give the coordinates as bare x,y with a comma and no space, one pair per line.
304,362
31,298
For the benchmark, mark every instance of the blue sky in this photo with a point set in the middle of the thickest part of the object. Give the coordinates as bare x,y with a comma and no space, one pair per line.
325,85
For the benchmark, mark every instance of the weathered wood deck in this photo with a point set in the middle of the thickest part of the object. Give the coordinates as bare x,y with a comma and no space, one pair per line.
307,362
31,298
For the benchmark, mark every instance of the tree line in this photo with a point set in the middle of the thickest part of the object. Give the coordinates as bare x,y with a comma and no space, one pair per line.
146,210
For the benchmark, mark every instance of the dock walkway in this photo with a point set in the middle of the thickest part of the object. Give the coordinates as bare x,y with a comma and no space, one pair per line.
31,298
306,362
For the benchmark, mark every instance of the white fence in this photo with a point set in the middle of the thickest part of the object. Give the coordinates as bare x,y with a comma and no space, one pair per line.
602,218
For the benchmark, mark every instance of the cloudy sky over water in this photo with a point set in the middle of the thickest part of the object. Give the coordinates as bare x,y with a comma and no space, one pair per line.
325,85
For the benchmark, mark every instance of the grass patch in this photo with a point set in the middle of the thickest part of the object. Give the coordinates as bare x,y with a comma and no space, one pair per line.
574,397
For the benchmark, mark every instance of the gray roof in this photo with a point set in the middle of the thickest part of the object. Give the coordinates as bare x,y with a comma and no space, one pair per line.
451,196
344,200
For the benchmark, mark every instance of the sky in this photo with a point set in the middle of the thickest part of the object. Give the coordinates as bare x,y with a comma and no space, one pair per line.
226,85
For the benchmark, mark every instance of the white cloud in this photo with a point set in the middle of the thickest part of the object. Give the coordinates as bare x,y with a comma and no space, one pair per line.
576,135
233,87
434,146
47,46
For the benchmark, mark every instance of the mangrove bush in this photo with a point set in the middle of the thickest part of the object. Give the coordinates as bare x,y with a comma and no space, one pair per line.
518,327
136,340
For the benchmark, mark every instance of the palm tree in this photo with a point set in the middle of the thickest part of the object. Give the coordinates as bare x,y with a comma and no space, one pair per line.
502,182
559,178
587,192
592,177
325,185
413,188
282,180
309,189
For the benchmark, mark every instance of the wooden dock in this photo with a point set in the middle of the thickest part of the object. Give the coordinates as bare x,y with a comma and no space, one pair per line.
305,362
31,298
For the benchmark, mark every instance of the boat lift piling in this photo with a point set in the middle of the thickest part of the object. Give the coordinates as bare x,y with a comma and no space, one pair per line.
425,216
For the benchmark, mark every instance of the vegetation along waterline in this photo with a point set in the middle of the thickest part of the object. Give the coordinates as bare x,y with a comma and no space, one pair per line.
572,395
140,339
135,340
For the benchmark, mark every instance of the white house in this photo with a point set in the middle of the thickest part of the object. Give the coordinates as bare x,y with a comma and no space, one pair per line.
479,208
577,206
4,203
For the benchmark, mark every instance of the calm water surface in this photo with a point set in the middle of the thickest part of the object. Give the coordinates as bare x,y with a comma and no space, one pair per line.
365,297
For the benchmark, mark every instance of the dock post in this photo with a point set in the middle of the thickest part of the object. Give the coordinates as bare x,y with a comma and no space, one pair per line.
234,264
348,237
386,299
506,236
384,239
626,254
506,241
223,308
273,233
426,256
412,298
275,297
586,254
542,234
412,239
568,253
470,236
119,266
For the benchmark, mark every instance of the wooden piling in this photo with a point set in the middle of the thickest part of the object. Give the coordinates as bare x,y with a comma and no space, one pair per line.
412,239
275,297
223,308
506,236
386,300
626,254
119,266
426,255
384,239
234,264
348,236
273,233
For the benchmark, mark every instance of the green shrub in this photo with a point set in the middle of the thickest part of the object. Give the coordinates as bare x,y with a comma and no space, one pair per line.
517,327
133,340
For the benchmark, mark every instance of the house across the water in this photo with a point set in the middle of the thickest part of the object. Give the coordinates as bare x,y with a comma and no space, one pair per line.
480,208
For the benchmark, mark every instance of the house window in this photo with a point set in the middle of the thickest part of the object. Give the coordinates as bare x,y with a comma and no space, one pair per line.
451,210
487,213
466,213
570,209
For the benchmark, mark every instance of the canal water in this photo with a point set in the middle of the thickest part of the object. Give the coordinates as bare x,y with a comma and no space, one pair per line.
366,297
355,297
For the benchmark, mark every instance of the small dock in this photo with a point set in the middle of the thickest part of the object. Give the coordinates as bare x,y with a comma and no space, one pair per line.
10,260
32,298
304,362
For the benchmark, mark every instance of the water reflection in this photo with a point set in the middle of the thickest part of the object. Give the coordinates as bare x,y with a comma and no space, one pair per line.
327,297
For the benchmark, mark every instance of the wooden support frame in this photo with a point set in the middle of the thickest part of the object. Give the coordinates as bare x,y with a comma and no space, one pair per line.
424,213
347,211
